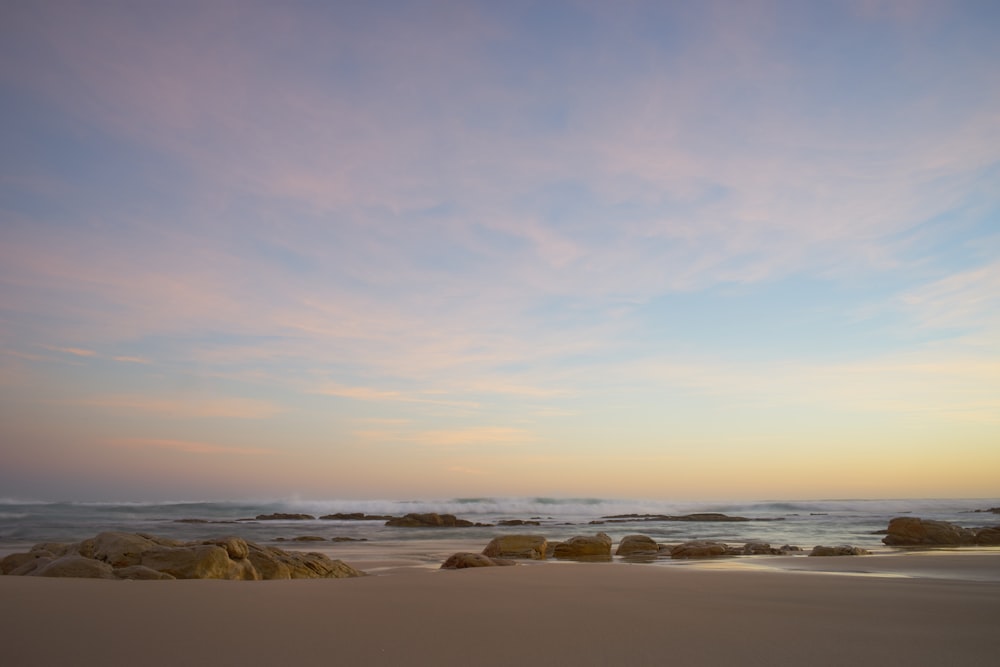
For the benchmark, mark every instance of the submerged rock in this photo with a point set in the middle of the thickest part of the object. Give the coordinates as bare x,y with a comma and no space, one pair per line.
284,516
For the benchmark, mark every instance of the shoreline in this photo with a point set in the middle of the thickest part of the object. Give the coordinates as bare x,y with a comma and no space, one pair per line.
916,608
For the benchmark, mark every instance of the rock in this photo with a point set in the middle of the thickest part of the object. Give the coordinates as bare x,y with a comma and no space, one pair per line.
430,520
120,549
115,554
236,547
348,539
58,549
141,572
760,549
75,565
585,546
283,516
636,544
517,546
911,531
204,561
274,563
839,550
356,516
518,522
309,538
700,516
462,560
988,536
15,562
699,549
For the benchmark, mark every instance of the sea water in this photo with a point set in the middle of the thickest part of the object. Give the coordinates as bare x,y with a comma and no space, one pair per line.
798,523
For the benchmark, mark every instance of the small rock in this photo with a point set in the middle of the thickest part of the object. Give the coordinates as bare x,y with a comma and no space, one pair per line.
699,549
463,560
839,550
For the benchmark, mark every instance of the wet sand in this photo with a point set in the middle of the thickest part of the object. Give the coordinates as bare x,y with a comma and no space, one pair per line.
915,609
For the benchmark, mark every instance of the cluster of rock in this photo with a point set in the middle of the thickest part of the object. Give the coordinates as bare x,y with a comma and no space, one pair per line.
699,516
319,538
116,555
912,531
430,520
413,520
597,547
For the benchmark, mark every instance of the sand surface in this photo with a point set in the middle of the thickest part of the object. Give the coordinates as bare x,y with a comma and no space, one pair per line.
920,609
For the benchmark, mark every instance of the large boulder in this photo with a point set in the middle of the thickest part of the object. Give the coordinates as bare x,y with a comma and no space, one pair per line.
517,546
23,562
636,544
988,536
74,565
236,547
274,563
203,561
699,549
120,549
585,547
839,550
911,531
464,559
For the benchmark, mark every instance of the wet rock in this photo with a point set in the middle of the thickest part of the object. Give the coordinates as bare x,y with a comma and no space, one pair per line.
636,544
988,536
518,522
517,546
356,516
699,549
430,520
464,559
585,547
839,550
283,516
911,531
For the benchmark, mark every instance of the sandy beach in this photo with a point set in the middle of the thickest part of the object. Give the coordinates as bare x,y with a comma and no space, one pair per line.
916,609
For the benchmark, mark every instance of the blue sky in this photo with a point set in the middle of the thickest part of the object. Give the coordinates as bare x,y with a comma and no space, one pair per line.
664,250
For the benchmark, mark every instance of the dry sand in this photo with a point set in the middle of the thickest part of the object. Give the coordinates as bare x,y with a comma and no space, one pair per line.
549,614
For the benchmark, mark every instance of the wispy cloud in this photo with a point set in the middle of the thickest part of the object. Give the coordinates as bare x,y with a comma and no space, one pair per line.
185,407
188,447
472,437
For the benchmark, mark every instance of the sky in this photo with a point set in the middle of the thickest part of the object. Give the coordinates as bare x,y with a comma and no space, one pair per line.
656,250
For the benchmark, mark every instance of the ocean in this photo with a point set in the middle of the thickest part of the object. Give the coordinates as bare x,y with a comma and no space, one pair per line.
799,523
